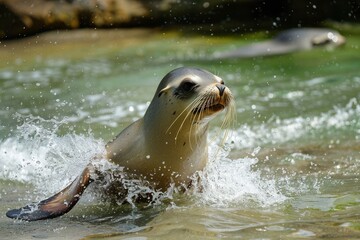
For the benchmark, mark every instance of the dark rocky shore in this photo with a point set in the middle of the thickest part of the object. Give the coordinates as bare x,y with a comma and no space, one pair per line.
21,18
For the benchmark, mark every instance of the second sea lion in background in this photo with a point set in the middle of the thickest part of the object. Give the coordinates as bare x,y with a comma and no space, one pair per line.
296,39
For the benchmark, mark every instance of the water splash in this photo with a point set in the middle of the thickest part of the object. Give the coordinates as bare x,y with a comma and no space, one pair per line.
226,182
36,154
112,184
241,181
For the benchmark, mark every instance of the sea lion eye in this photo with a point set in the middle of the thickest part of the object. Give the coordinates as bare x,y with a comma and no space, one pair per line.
185,89
187,86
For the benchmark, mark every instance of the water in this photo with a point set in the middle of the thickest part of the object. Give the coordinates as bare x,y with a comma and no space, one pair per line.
288,170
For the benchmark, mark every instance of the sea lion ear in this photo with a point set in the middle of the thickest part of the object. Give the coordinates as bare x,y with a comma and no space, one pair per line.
163,90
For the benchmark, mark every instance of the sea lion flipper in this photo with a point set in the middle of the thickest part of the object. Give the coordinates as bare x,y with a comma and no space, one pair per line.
55,205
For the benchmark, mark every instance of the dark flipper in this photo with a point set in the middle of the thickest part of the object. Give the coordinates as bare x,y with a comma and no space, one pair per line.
56,205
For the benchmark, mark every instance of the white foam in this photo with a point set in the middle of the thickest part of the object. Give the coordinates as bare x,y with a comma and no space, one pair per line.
226,182
111,116
294,95
315,81
283,130
36,154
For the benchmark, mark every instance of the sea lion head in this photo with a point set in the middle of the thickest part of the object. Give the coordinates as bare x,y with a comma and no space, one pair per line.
189,96
307,38
195,92
329,38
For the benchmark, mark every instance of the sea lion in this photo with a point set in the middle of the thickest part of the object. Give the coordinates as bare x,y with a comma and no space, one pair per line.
296,39
167,146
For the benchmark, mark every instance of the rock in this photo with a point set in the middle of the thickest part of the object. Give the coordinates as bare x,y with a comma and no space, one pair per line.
20,18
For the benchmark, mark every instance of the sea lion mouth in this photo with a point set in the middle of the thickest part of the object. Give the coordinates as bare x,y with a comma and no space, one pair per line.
212,108
216,107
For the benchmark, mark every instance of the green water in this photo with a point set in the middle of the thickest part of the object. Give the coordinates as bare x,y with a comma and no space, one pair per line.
292,170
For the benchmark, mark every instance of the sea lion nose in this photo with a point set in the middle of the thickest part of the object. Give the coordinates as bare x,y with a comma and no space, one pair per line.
221,88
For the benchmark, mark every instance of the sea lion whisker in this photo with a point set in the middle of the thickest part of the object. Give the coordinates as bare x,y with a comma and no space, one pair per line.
186,117
182,112
229,113
197,116
206,101
230,119
193,124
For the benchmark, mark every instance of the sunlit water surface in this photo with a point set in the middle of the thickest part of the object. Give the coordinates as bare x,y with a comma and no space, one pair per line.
288,170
